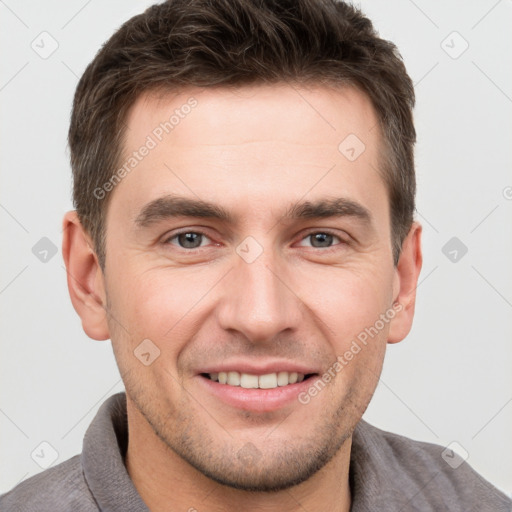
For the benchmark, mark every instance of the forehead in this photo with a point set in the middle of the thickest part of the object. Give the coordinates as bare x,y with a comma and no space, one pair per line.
269,144
295,113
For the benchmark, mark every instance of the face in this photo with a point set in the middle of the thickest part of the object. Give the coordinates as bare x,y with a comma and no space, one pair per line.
247,245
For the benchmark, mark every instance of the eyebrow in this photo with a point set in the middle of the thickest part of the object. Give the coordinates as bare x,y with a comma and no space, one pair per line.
171,206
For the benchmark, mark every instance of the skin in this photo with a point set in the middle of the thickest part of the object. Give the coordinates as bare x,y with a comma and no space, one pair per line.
254,151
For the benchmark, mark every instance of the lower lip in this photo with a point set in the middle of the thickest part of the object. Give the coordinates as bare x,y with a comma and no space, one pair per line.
257,400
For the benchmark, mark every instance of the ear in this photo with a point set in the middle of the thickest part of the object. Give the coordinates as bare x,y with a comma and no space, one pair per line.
407,272
85,278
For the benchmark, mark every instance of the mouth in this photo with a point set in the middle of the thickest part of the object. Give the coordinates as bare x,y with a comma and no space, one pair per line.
261,392
252,381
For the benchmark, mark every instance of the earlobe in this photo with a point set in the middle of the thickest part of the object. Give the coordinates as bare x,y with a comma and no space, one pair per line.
85,278
406,280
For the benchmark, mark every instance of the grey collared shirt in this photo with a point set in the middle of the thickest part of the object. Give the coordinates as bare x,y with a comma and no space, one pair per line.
388,472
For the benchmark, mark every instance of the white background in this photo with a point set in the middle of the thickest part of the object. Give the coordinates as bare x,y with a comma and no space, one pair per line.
450,380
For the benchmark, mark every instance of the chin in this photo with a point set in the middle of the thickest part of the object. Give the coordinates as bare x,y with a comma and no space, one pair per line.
251,470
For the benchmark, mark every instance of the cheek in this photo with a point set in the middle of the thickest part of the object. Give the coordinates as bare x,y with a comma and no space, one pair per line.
161,302
349,302
360,333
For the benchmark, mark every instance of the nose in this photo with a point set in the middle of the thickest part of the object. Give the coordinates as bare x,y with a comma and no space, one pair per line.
258,299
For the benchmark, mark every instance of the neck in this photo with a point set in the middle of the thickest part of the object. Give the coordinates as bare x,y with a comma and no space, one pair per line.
167,483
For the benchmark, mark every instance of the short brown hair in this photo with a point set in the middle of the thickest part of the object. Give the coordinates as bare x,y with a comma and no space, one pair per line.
207,43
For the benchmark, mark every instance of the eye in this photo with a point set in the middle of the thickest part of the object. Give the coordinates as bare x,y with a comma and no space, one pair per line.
197,239
322,239
187,239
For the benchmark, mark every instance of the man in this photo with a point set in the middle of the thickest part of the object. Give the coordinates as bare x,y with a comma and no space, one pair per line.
244,190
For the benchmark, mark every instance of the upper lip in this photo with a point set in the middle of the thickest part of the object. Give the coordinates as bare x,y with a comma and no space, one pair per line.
259,368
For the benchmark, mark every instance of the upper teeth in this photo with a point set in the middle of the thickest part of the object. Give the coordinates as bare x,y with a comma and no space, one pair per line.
268,381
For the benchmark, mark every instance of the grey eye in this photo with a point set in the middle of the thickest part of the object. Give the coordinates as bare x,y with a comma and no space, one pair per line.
187,240
322,239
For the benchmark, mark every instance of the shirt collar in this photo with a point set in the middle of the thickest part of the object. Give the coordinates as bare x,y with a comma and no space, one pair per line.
103,453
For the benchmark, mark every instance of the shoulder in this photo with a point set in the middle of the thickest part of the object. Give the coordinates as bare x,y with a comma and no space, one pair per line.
62,487
421,473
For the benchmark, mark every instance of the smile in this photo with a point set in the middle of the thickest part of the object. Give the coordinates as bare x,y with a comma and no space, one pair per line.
251,381
257,389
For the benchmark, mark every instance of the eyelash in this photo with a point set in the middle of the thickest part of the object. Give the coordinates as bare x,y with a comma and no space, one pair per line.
323,232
